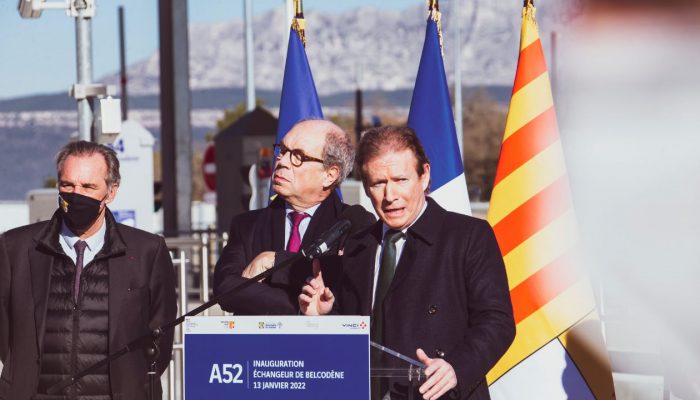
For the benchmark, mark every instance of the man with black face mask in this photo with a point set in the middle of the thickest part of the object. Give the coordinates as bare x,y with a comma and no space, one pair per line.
80,286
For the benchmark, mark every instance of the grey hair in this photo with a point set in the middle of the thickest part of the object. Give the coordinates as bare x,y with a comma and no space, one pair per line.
338,151
86,149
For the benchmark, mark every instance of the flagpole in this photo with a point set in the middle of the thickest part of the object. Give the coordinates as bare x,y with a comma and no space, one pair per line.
553,57
289,9
458,78
249,65
299,22
358,101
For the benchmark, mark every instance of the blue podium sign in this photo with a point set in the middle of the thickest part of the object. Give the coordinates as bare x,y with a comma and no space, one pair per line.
277,357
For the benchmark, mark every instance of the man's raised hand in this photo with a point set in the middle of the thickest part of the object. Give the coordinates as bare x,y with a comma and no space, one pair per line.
315,297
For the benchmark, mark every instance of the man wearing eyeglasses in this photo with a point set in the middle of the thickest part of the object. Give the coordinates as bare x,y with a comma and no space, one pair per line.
312,160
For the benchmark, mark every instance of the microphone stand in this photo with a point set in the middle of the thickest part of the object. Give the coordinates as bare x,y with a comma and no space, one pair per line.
148,342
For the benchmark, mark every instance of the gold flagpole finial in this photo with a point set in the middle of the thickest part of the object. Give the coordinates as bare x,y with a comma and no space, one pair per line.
298,9
433,5
434,14
298,21
529,11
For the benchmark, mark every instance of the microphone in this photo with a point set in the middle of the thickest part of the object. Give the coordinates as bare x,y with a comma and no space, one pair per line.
327,239
355,217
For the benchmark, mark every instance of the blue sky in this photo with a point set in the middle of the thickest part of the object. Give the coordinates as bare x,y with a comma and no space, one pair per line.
38,55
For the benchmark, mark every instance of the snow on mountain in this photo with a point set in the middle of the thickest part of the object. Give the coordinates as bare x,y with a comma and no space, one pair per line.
380,47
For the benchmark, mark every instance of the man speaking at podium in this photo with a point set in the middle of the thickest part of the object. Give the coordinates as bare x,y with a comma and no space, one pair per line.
433,281
312,160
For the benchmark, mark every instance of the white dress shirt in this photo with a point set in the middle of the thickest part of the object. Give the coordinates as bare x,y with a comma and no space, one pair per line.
68,239
302,226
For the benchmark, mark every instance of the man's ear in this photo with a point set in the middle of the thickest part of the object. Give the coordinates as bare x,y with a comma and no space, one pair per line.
331,176
112,193
425,178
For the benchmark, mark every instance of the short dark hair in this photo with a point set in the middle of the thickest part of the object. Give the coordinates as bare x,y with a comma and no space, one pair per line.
83,148
376,141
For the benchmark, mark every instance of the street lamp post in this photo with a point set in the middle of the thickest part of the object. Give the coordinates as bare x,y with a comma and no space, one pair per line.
84,91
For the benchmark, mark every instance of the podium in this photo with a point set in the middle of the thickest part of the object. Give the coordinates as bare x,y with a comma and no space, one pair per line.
290,357
274,357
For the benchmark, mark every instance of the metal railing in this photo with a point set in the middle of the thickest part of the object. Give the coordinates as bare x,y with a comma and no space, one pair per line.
194,257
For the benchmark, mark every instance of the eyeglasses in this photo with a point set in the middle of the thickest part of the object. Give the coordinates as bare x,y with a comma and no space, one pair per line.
297,155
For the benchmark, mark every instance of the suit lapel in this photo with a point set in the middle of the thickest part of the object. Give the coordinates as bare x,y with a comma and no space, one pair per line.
324,217
275,221
419,236
40,265
359,268
42,257
371,243
270,236
118,288
405,265
113,254
278,222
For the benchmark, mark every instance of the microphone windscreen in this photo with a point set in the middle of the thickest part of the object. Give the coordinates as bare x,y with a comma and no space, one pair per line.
358,217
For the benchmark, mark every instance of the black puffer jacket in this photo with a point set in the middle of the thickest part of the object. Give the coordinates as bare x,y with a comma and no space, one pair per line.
76,334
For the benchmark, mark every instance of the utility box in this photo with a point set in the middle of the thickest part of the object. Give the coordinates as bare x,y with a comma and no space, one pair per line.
237,147
133,205
42,204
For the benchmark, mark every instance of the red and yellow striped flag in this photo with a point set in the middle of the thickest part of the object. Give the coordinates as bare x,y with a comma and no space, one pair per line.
558,348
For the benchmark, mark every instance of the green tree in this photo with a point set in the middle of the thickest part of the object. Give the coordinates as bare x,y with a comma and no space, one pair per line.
484,120
50,182
231,115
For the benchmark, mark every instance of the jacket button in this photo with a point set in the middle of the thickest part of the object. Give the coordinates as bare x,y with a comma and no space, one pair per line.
440,353
432,309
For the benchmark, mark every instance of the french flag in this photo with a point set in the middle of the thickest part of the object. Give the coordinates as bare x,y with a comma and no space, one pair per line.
432,118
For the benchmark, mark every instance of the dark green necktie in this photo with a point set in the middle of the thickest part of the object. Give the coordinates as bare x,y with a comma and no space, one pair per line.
387,266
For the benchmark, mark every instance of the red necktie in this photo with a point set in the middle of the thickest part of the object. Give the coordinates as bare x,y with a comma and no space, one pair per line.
294,236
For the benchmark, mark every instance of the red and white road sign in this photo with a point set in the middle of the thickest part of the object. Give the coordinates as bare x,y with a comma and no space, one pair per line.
209,167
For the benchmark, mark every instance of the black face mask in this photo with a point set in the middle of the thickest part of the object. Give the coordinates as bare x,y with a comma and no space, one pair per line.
78,211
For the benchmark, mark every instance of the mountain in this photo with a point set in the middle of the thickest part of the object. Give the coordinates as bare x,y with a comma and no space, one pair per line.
382,47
